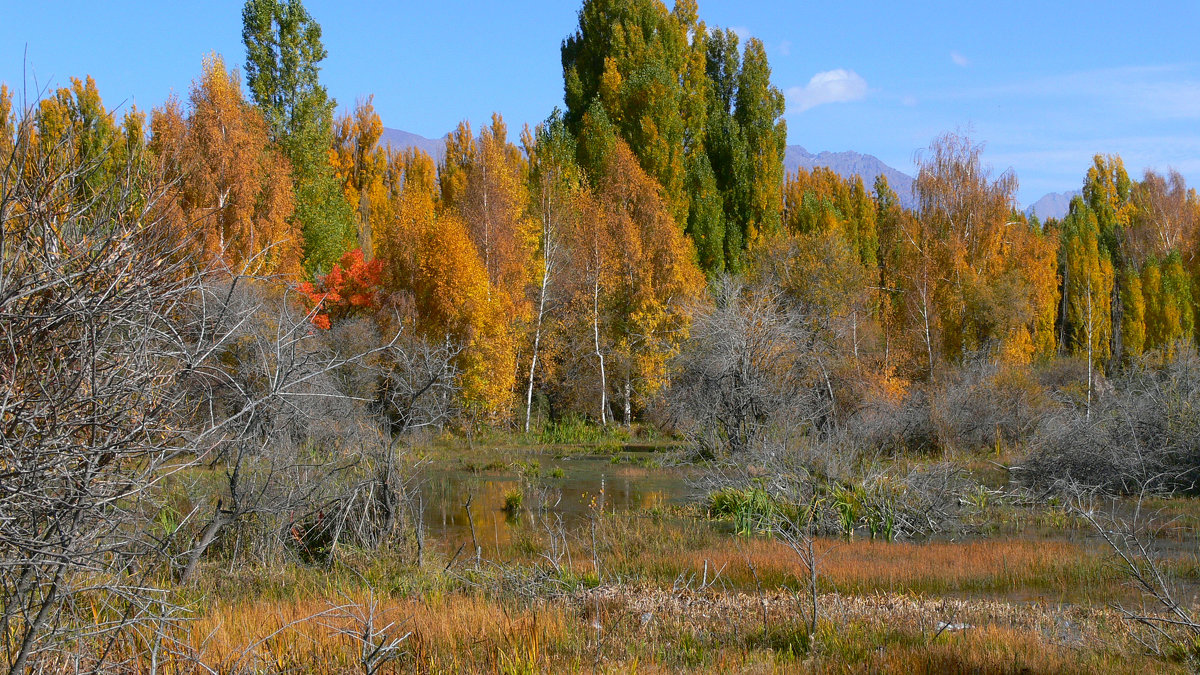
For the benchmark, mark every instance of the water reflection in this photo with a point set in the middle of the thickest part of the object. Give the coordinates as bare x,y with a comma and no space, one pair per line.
587,484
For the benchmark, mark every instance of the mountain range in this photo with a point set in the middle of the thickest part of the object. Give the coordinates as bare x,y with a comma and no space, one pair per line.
845,164
849,163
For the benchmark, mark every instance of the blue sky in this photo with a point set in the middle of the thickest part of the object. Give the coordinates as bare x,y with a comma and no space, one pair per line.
1045,84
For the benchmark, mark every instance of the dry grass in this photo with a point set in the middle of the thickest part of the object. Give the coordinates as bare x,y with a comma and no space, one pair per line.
863,566
662,551
453,633
880,633
618,629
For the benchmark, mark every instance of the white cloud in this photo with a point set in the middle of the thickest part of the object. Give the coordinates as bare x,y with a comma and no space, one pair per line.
785,48
743,34
908,100
959,60
831,86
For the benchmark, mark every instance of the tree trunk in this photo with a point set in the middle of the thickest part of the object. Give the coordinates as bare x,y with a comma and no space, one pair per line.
628,396
599,353
537,336
210,533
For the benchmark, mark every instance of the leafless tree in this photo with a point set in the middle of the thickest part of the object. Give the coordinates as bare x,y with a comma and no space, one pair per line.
125,361
749,366
420,387
1129,530
90,288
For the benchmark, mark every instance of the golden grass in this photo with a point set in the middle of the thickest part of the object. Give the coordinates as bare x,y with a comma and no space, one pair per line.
453,633
459,626
1001,566
607,630
662,550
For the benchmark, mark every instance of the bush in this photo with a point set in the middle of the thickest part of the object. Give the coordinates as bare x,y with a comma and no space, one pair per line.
1145,432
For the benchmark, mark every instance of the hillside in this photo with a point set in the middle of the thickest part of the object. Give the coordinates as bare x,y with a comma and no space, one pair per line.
397,138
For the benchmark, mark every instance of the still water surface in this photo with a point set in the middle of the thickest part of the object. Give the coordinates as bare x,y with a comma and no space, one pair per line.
588,483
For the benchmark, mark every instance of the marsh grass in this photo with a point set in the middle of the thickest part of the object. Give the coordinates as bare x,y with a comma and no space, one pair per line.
883,617
669,590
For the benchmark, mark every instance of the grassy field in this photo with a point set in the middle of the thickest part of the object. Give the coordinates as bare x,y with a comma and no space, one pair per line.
661,586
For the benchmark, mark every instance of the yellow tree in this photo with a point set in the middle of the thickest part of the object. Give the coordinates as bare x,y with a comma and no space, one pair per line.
452,300
997,282
433,270
968,213
452,174
8,131
1169,310
1022,298
915,272
234,191
555,180
74,127
1133,319
494,204
1088,286
650,276
361,164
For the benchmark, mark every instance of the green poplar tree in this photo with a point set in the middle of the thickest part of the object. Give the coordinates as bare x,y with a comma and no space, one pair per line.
758,112
283,53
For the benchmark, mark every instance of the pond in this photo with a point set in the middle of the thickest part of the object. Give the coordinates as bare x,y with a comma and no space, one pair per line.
561,488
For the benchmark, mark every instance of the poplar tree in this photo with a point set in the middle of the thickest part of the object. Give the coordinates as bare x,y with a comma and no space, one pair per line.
283,53
702,123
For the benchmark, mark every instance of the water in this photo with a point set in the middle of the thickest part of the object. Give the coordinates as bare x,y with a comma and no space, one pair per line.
589,484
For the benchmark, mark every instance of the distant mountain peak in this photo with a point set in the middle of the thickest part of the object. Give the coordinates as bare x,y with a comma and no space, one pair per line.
844,163
848,163
399,140
1053,205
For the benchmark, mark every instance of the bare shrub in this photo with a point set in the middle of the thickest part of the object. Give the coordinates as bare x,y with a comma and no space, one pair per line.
985,404
895,426
749,366
1144,430
91,285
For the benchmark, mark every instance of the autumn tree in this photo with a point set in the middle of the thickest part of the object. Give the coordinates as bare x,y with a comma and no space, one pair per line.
822,201
361,165
1088,280
700,122
494,205
555,181
456,163
1108,192
7,122
1133,301
233,190
433,275
1165,216
1168,300
351,288
73,128
912,262
283,53
997,274
629,55
647,273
